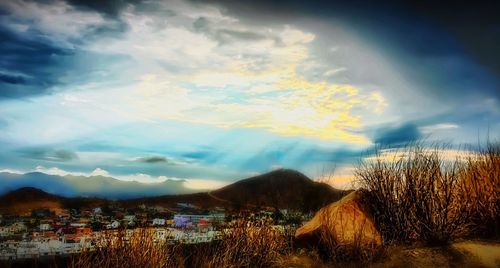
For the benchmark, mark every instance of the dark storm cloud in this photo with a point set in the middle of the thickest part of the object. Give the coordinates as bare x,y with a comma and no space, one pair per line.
243,35
224,36
61,155
108,7
28,66
398,136
12,79
476,26
338,156
200,154
155,160
31,65
448,48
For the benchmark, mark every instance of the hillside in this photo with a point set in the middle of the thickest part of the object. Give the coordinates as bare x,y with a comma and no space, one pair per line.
278,189
23,200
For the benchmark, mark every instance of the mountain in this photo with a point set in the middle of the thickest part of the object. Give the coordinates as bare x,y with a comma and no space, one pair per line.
277,189
93,186
282,188
23,200
28,194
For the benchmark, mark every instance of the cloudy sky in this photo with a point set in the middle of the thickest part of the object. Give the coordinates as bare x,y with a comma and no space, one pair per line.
215,91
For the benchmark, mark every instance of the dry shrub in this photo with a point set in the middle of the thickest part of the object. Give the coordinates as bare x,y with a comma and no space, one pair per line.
482,179
141,250
417,195
244,245
420,195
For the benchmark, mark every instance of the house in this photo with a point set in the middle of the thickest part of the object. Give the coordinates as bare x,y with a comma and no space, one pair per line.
159,209
113,225
5,231
84,220
18,227
129,218
195,218
97,211
44,227
185,206
204,225
181,221
158,222
83,231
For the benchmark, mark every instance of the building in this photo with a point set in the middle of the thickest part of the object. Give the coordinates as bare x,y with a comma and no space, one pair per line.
158,222
44,227
5,231
183,220
113,225
18,227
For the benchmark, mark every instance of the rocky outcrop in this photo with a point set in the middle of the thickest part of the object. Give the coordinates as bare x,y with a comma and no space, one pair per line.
347,221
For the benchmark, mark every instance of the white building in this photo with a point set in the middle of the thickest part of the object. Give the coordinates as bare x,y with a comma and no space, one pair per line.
5,231
113,225
129,218
44,227
18,227
158,222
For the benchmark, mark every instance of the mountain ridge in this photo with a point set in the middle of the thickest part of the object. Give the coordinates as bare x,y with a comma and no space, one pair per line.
276,189
88,186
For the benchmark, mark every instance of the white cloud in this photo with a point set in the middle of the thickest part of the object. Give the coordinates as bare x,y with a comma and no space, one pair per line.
56,171
204,72
99,172
437,127
179,72
201,184
13,171
197,184
391,155
333,72
58,19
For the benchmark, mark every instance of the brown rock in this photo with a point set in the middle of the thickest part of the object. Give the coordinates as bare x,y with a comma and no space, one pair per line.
347,221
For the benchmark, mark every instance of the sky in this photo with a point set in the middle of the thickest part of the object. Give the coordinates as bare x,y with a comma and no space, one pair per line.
210,92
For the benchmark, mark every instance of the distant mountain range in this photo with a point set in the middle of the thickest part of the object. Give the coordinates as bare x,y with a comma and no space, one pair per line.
93,186
276,189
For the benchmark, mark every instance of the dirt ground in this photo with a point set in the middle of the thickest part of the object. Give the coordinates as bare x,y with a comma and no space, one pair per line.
461,254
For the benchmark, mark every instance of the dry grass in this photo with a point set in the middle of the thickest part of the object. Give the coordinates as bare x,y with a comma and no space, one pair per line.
247,245
141,249
244,245
482,181
422,196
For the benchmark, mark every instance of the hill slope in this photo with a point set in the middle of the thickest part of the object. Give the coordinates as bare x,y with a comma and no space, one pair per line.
23,200
279,189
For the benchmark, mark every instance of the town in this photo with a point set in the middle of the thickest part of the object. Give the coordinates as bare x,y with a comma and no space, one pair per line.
46,233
